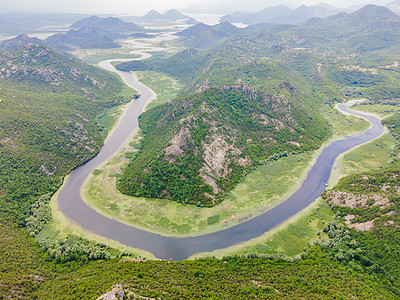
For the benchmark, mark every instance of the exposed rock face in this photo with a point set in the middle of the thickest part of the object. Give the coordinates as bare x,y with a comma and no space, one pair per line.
118,292
206,142
365,201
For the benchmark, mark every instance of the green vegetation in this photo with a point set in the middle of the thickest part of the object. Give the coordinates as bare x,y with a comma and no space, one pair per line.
370,204
261,189
49,106
256,193
382,110
376,154
28,273
371,156
178,153
288,240
343,126
267,84
166,88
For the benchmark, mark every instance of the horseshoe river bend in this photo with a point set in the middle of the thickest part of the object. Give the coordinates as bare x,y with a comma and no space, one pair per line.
71,204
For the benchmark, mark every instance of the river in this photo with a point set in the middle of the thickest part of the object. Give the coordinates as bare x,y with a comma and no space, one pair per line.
72,205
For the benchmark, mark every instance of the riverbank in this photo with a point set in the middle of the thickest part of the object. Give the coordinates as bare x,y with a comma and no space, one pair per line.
262,189
181,248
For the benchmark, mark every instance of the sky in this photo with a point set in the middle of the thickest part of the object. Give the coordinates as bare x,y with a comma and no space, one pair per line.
139,7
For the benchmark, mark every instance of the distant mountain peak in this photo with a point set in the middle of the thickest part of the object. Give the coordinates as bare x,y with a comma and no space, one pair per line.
374,11
153,13
112,24
19,41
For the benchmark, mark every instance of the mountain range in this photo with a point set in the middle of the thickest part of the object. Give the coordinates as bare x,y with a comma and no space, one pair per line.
368,29
281,14
94,32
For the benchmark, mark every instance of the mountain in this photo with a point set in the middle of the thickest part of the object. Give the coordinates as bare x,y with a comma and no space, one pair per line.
171,15
228,118
203,36
49,109
266,15
303,13
196,29
197,148
84,38
19,41
367,29
111,24
373,13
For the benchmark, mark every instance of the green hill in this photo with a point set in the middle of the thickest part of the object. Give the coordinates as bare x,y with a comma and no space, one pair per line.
197,148
49,107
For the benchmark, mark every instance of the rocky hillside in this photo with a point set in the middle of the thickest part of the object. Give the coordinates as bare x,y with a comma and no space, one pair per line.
49,104
197,148
368,204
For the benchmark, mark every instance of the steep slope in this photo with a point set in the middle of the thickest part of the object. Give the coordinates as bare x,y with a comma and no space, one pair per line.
19,41
199,147
281,15
203,36
370,28
49,107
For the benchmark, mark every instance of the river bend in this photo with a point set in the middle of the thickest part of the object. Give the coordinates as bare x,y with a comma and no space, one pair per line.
72,205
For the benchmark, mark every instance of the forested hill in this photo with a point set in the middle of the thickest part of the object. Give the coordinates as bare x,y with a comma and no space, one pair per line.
38,66
199,147
49,105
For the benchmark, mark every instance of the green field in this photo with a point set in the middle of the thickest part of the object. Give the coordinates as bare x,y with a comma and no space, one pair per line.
287,239
262,189
383,111
165,87
343,126
376,154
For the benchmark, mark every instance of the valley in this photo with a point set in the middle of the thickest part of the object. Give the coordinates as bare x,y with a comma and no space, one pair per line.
192,160
107,225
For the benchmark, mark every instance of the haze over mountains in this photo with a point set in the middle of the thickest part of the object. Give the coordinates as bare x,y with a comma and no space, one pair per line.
281,15
95,32
171,15
369,28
